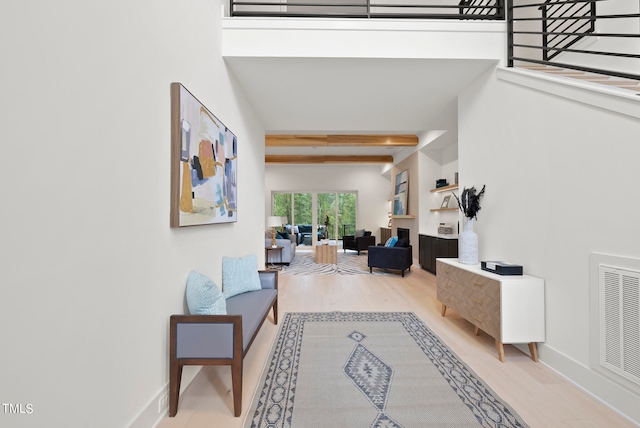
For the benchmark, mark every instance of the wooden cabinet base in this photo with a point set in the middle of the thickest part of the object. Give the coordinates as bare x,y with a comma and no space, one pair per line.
500,348
533,348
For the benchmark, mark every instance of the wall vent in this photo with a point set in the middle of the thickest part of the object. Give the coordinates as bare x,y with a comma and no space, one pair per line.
619,309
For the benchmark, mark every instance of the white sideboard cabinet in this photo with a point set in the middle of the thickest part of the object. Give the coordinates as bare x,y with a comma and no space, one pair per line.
508,308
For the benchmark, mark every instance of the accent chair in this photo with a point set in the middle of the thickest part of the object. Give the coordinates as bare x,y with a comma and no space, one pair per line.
399,256
361,241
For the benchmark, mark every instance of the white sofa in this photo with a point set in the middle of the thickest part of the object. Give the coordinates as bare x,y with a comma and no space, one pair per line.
288,250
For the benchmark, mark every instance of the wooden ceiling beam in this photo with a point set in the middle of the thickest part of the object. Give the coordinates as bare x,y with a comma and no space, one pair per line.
325,159
295,140
401,140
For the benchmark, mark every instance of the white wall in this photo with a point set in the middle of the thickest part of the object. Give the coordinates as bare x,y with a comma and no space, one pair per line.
91,270
434,165
367,180
560,179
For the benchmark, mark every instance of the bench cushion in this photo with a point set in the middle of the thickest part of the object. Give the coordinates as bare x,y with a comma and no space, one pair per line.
252,306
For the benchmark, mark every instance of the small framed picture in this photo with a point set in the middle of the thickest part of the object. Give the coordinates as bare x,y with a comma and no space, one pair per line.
445,202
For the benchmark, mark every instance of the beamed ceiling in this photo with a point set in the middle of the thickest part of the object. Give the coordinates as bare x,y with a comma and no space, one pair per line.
366,142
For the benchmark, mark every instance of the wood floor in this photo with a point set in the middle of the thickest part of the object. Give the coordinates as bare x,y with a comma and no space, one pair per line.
542,397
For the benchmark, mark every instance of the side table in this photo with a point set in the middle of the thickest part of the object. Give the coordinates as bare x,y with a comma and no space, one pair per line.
266,257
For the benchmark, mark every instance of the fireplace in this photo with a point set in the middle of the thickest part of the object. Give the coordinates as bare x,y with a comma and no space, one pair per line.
403,234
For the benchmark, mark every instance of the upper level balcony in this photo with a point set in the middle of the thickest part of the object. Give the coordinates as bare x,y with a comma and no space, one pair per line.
433,29
601,36
411,9
321,61
357,38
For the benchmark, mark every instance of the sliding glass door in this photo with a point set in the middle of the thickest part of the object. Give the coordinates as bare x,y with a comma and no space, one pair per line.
327,227
316,216
282,206
347,203
303,217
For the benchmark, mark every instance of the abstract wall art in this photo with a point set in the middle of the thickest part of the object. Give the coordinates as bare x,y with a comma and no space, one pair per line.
400,194
203,164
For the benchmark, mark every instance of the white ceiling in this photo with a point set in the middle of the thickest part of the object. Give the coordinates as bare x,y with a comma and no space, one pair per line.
354,96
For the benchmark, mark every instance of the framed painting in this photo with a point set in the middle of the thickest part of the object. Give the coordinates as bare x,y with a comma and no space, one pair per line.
204,156
400,194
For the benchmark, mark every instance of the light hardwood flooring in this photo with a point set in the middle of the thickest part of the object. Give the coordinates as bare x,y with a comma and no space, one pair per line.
541,396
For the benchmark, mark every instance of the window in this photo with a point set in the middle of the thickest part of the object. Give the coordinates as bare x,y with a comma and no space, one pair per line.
317,215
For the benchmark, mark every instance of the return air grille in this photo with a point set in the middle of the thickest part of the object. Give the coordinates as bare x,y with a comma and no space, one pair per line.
620,321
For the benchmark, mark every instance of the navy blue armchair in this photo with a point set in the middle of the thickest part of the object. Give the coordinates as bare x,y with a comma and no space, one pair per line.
398,257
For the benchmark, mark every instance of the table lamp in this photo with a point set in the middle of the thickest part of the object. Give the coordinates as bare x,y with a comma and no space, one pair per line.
273,222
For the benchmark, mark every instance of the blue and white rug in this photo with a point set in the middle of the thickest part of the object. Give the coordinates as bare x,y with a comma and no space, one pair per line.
369,369
349,263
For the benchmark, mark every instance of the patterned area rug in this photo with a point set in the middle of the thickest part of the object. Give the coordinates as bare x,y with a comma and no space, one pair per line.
349,263
369,369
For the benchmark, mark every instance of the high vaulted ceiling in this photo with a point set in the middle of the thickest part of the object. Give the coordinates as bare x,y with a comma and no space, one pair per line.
353,96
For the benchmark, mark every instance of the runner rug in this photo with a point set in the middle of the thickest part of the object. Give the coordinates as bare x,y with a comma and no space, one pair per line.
369,369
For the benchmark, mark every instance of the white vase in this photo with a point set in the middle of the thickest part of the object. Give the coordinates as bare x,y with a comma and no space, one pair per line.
468,243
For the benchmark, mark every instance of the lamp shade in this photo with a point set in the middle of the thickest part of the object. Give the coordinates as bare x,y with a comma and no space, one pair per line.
274,221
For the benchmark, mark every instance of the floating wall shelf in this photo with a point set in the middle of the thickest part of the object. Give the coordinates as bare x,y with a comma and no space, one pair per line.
444,209
444,189
404,216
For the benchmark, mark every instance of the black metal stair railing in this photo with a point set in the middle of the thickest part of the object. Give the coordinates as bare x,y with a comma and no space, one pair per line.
549,32
562,33
475,7
421,9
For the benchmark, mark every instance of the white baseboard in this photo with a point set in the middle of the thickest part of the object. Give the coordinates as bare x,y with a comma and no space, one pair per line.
150,416
614,396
